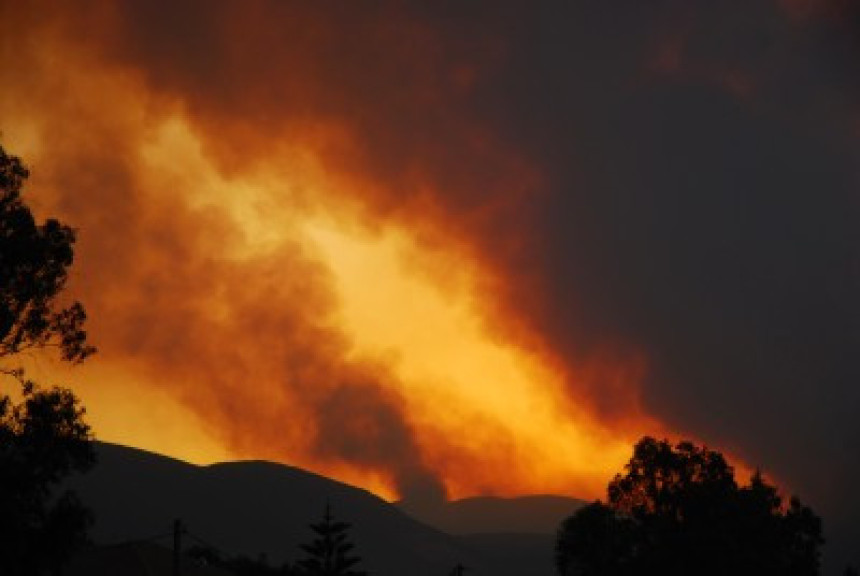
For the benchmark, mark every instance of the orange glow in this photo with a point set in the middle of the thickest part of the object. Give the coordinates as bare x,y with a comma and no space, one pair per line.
234,299
455,376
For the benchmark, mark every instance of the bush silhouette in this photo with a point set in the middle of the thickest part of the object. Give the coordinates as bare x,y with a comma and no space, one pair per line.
678,510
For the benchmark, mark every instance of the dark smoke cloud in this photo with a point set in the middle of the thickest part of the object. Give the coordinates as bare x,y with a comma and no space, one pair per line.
707,214
357,423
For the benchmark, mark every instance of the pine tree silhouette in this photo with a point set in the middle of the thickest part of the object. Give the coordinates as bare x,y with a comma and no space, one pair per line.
330,553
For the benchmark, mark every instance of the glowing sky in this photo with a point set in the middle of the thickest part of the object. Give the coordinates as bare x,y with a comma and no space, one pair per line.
273,309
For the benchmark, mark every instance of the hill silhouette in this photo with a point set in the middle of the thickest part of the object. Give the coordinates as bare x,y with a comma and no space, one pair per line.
517,533
259,508
538,514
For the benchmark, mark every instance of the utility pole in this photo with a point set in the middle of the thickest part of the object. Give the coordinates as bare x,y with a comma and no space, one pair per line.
177,547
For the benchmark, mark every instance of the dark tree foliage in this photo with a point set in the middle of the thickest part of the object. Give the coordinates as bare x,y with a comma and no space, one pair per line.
678,510
238,565
42,440
34,263
595,540
244,566
43,437
205,556
330,554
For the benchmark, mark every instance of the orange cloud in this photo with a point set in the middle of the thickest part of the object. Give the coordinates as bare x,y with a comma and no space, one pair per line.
282,259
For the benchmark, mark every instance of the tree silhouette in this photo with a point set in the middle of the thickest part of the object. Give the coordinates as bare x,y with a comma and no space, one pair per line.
42,439
34,262
678,510
596,541
42,434
330,553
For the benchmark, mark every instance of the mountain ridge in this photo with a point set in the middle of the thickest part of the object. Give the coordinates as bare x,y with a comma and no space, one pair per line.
262,509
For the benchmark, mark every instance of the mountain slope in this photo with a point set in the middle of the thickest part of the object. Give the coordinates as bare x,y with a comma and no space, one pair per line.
258,508
539,514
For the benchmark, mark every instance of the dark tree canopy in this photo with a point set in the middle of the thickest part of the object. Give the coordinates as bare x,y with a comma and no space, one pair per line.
595,540
43,437
42,440
34,263
678,510
239,565
330,553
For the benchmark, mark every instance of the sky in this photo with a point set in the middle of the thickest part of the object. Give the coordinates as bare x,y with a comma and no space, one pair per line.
445,249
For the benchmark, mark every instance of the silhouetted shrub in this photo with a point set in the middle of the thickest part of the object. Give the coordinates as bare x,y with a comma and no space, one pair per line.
678,510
